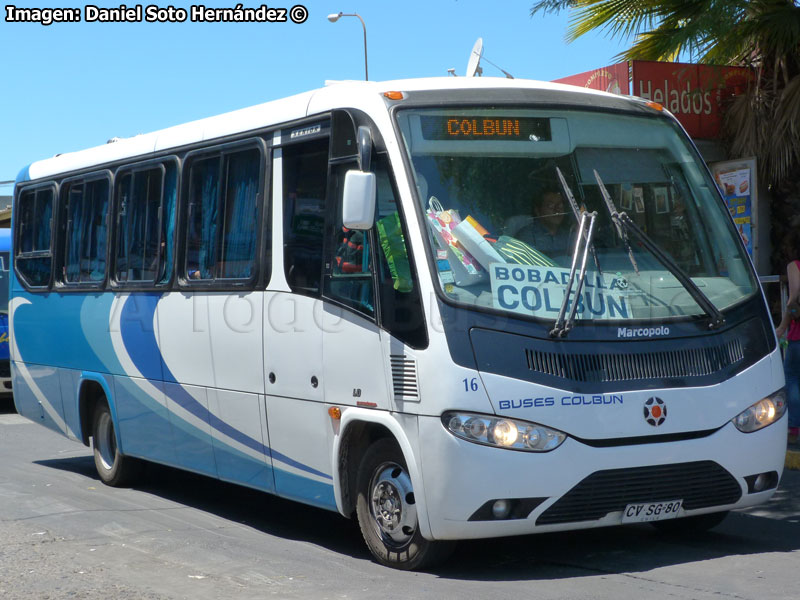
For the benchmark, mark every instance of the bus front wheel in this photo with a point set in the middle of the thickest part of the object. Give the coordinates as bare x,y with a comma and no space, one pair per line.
113,468
387,512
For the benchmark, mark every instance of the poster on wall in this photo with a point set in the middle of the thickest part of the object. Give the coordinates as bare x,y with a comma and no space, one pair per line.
735,180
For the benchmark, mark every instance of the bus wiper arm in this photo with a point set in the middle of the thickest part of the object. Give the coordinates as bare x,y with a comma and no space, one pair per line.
624,222
614,213
576,211
583,240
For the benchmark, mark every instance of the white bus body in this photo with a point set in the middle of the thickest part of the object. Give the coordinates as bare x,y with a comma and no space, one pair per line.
190,297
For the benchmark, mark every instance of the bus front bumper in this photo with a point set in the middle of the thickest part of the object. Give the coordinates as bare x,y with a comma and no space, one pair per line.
577,486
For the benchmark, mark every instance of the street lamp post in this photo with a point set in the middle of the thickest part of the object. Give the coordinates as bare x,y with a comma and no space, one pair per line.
336,16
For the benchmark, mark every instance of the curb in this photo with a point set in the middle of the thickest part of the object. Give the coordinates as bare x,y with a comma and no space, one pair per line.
793,460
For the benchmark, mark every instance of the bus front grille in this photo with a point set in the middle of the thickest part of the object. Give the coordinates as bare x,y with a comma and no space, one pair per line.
611,366
701,484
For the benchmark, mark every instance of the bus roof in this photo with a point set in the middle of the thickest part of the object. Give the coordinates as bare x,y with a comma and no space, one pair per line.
354,94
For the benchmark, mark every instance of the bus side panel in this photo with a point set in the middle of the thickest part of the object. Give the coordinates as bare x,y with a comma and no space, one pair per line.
37,395
241,442
188,412
70,380
133,341
143,421
184,338
301,436
66,330
236,341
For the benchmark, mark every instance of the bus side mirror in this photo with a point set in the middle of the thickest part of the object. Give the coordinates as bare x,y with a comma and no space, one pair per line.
358,203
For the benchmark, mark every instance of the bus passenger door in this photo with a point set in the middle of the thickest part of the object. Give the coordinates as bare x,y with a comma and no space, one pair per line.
296,414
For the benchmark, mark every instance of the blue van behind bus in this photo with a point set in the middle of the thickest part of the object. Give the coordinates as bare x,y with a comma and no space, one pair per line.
5,265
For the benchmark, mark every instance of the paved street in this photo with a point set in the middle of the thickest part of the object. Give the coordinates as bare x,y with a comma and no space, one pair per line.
65,535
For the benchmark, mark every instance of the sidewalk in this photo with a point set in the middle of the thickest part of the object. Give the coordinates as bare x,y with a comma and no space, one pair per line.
793,456
793,453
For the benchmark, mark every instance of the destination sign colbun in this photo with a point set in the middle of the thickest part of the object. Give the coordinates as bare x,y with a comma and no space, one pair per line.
483,127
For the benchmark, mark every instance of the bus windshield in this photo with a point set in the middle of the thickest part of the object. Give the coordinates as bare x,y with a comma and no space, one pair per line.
503,191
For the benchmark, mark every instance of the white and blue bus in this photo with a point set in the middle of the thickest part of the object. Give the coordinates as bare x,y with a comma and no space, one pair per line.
454,308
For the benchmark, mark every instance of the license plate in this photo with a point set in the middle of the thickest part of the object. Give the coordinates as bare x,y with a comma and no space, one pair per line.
651,511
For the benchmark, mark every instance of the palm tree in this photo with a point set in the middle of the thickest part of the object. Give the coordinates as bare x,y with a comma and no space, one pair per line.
762,34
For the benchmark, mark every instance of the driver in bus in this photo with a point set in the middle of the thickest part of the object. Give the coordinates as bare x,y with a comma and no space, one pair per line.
550,231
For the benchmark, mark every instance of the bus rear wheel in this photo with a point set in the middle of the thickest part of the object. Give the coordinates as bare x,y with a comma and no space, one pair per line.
113,468
387,512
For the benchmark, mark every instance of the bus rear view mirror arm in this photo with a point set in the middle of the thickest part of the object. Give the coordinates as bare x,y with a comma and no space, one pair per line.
364,148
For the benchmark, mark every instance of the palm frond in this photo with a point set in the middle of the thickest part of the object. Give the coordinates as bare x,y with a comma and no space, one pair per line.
551,6
765,122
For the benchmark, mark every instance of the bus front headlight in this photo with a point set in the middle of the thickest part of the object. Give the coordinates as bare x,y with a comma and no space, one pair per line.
764,412
501,432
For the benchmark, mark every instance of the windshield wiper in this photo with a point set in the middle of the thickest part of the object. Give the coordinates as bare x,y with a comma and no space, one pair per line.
584,238
577,211
612,210
625,224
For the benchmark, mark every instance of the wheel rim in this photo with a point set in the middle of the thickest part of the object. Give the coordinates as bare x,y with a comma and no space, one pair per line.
392,504
105,441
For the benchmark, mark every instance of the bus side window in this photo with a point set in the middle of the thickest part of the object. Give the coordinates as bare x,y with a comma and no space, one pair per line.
85,247
222,222
139,213
305,175
240,215
201,239
349,261
402,314
34,232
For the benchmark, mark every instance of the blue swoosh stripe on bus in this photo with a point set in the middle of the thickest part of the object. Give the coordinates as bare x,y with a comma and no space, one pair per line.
140,344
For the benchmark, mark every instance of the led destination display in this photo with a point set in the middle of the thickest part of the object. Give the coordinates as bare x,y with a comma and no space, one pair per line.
483,127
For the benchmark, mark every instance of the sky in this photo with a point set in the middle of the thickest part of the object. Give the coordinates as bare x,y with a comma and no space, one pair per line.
69,86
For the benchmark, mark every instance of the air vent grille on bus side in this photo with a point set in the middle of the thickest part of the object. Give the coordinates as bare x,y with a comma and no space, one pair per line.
699,484
609,367
404,377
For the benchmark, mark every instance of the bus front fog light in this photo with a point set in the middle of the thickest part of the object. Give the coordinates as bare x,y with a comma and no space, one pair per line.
761,482
501,508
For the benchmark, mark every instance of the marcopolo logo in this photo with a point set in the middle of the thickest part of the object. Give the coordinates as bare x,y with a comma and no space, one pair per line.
627,332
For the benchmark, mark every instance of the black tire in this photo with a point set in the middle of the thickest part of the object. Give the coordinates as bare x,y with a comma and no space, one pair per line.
113,468
687,525
390,527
